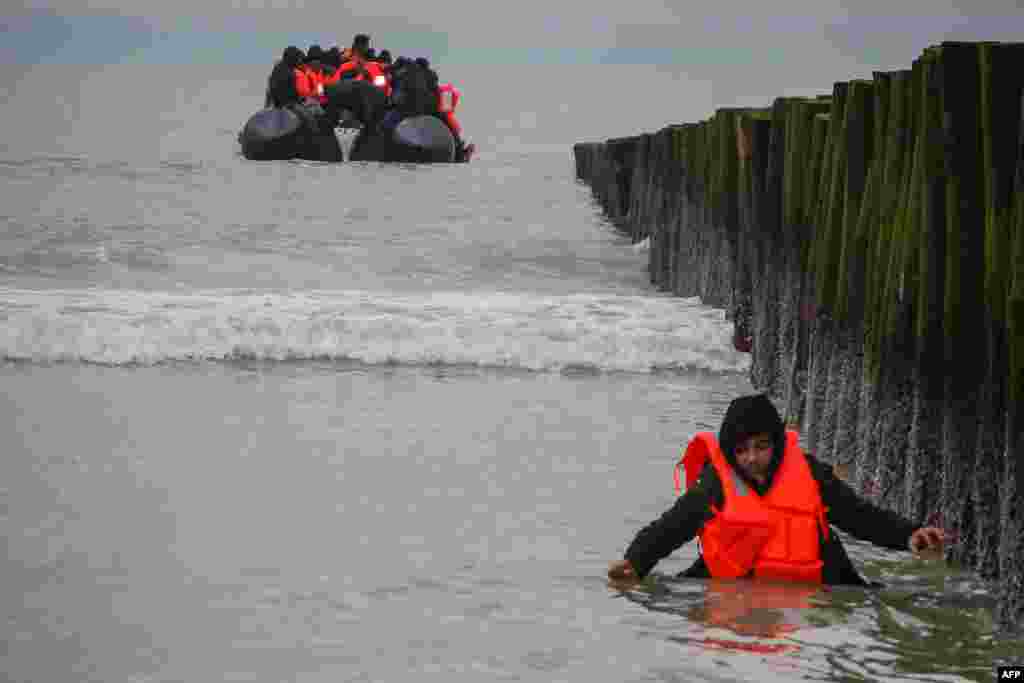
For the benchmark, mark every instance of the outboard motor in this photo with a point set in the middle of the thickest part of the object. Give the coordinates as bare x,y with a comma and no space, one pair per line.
360,99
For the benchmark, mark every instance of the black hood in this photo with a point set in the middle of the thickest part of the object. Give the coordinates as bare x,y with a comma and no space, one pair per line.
292,56
749,415
315,53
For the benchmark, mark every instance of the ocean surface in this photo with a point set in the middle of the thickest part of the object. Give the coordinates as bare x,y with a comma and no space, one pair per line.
304,422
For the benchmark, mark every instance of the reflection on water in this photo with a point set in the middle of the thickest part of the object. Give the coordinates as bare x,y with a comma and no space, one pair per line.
925,622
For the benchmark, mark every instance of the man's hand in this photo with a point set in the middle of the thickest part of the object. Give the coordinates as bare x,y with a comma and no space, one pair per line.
621,575
927,538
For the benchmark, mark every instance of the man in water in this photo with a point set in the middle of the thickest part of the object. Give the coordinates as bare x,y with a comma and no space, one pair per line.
762,509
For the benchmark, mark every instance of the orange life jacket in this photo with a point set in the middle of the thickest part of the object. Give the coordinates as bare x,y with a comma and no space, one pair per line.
447,100
376,72
775,536
306,81
378,77
331,78
453,123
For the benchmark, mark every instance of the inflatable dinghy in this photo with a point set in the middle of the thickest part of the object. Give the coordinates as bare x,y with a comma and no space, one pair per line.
297,132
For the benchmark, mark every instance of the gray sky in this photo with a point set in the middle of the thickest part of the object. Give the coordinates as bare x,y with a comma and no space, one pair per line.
881,33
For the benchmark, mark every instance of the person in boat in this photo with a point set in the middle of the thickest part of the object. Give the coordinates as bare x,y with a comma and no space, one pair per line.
281,89
447,98
416,92
361,44
332,57
762,509
411,91
410,94
308,75
315,56
357,50
361,67
433,82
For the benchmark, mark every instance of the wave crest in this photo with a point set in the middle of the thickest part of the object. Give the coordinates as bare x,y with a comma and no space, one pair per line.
545,333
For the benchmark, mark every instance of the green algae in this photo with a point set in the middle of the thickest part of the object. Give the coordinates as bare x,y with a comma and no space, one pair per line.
853,241
826,265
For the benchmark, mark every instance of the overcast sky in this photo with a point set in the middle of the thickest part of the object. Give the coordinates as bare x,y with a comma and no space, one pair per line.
878,34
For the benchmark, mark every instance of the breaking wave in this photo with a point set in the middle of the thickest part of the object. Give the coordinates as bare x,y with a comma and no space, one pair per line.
606,333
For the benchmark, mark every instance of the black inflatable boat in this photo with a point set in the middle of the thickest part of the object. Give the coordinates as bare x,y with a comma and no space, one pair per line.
297,132
309,131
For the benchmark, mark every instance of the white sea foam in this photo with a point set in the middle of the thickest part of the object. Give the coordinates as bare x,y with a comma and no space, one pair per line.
545,333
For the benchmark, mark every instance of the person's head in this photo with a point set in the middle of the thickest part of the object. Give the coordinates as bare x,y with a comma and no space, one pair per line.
292,56
753,436
333,57
423,62
385,56
361,44
371,54
754,454
315,53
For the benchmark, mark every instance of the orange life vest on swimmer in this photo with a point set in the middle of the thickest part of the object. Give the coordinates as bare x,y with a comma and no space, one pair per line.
447,100
775,536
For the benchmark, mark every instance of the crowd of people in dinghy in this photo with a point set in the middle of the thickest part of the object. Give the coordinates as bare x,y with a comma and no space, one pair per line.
410,86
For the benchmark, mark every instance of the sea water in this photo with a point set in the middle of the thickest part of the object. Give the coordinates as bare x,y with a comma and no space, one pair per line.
306,422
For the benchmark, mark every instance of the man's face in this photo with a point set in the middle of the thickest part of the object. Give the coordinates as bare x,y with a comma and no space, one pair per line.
754,456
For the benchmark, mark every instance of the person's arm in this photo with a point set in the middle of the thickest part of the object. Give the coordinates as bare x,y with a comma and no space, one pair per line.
678,525
859,517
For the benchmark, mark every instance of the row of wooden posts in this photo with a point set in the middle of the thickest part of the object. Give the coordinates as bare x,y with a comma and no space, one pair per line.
870,244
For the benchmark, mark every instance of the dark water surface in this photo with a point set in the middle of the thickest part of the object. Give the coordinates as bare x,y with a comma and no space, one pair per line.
301,422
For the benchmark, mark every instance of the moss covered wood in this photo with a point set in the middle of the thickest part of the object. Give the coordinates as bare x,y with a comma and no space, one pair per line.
799,162
703,169
895,150
688,155
896,285
726,178
830,233
708,142
927,258
812,191
1015,298
1000,83
964,295
1015,337
1000,109
853,243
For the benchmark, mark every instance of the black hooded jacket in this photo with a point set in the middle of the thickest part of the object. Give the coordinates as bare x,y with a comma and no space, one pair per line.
682,522
281,84
414,89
